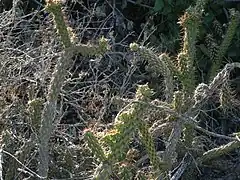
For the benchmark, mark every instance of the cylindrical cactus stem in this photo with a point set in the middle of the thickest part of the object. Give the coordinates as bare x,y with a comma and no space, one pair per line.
119,138
158,65
219,151
178,101
190,23
55,8
103,171
57,80
144,94
35,108
95,146
234,22
149,144
188,132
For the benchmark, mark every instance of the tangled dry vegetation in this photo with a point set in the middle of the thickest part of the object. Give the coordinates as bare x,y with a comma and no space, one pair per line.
78,103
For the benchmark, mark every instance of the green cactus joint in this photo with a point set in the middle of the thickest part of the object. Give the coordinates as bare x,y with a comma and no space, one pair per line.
126,171
103,171
234,22
144,93
178,101
149,144
95,146
219,151
35,110
188,133
134,47
56,10
157,65
125,125
212,47
190,23
103,44
218,28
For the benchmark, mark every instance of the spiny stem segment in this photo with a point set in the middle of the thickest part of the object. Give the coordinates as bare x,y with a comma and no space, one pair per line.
56,9
234,22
